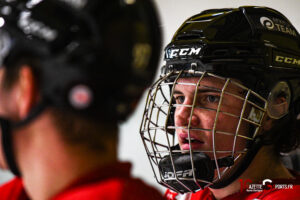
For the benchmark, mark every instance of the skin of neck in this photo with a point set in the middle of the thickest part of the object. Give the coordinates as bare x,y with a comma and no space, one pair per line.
49,164
264,165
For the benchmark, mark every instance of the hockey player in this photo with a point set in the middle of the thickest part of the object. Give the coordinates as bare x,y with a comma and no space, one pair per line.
226,106
71,70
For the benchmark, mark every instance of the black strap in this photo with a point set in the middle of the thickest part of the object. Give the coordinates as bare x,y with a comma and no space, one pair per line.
38,109
243,166
7,141
8,146
268,138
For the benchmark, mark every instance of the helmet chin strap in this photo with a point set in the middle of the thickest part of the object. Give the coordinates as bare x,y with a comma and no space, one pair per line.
7,146
7,136
255,147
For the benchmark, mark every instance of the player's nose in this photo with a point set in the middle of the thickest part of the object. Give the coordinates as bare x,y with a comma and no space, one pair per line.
183,116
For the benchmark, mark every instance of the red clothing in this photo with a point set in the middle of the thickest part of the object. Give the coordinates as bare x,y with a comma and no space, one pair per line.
109,183
270,194
112,183
13,190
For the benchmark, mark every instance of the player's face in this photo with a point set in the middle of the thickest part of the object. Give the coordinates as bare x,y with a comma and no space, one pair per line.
207,132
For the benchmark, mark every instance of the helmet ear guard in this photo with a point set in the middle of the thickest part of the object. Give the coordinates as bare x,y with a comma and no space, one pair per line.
279,100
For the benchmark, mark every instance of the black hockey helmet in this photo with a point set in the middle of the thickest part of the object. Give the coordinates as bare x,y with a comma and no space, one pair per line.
257,50
94,57
97,56
256,45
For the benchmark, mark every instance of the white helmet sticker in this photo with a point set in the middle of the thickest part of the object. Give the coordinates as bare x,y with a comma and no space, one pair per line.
80,96
256,115
267,22
276,24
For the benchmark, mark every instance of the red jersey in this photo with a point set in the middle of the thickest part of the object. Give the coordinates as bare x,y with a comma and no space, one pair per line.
112,182
290,190
13,190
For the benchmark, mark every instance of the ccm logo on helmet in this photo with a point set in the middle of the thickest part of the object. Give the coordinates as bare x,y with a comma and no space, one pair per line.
287,60
175,53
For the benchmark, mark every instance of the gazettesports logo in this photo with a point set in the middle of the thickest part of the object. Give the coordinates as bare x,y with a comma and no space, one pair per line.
265,185
276,24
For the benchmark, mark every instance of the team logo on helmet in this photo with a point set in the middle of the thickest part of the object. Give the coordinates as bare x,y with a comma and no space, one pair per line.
278,25
266,22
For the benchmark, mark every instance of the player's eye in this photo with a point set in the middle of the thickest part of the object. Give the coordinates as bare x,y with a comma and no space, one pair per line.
179,99
209,100
212,99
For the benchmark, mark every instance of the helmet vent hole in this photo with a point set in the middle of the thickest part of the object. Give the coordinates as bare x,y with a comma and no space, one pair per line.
243,52
220,52
190,35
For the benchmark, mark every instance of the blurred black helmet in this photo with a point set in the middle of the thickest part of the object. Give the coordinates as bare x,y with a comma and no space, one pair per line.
93,58
96,56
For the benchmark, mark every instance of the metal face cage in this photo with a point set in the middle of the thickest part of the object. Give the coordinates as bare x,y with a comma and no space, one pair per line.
196,126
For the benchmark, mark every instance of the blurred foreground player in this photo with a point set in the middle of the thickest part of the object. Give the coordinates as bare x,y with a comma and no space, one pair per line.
226,106
71,70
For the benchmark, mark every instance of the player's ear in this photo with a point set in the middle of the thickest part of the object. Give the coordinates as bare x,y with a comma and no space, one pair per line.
26,94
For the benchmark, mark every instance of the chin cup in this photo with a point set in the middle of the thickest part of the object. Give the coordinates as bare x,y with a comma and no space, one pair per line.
179,174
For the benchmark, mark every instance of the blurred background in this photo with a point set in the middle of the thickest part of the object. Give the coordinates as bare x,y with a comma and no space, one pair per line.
173,13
